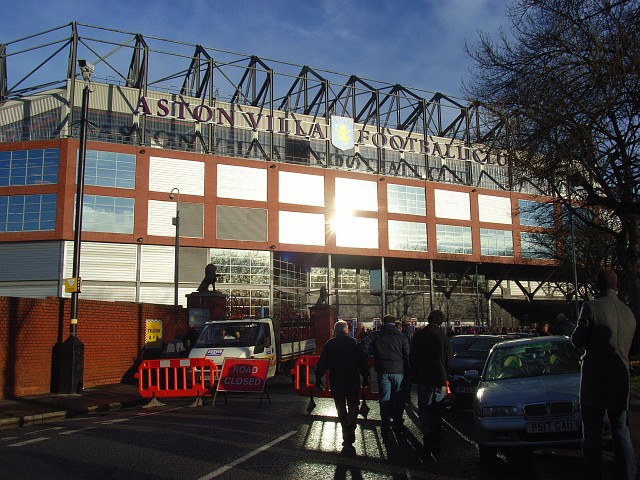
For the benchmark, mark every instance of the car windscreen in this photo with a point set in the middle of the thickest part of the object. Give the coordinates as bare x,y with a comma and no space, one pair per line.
229,335
531,360
472,347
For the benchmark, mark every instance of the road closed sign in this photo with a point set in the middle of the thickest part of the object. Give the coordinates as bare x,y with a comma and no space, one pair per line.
243,375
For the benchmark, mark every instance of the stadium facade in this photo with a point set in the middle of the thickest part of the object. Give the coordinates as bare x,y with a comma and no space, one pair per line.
287,178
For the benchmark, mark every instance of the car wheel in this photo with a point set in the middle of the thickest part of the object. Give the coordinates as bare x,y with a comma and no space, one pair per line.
487,454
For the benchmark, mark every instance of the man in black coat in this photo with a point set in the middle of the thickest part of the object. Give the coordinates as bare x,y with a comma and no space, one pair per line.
391,355
562,326
346,363
605,332
431,365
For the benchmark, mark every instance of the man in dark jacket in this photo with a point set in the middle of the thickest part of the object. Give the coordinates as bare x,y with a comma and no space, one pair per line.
431,365
562,326
346,363
391,355
605,331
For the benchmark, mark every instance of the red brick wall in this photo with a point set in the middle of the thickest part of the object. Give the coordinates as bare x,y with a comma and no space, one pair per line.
113,334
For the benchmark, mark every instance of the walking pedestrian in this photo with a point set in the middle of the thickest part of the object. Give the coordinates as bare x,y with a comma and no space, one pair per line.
562,326
405,386
346,363
391,359
431,365
605,332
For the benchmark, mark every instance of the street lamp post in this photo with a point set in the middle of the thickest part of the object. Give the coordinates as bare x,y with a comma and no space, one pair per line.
72,350
86,69
176,222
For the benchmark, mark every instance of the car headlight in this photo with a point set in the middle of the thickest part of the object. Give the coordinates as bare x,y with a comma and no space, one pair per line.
500,412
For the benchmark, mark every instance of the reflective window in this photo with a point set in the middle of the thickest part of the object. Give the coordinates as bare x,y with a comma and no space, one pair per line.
498,243
535,214
352,194
27,213
29,167
407,236
406,199
245,267
537,245
453,239
107,214
110,169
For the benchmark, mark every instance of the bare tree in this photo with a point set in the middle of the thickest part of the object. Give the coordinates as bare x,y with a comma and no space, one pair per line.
563,88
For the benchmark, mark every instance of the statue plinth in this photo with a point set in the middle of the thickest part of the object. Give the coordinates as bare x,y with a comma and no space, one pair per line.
323,317
214,301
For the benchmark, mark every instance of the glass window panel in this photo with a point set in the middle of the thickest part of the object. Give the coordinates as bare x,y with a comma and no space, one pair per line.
110,169
27,212
535,214
407,236
536,245
406,199
453,239
29,167
99,214
354,194
496,242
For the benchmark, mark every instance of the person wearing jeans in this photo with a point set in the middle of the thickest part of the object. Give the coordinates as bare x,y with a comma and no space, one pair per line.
391,355
592,424
431,365
391,402
605,331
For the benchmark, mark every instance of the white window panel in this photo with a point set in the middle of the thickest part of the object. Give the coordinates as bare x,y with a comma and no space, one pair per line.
163,294
157,263
242,183
103,261
160,218
109,293
302,228
356,195
494,209
356,232
452,205
166,174
301,189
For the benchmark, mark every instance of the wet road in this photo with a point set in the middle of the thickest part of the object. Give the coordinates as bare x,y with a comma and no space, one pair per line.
240,438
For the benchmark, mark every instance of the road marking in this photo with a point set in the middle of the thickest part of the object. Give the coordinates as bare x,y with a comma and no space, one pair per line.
27,442
38,432
8,439
117,420
144,414
237,462
70,432
460,434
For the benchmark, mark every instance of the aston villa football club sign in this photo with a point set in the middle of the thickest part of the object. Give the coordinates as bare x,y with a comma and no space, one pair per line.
342,132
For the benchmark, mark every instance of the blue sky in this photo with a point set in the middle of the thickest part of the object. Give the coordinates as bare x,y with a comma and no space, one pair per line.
416,43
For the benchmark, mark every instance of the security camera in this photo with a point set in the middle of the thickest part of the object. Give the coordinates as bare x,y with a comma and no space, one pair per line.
85,66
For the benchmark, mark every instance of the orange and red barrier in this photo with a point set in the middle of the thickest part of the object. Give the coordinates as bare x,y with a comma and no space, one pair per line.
305,385
177,377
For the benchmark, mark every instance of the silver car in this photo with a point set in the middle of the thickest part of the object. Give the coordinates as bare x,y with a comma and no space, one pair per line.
528,396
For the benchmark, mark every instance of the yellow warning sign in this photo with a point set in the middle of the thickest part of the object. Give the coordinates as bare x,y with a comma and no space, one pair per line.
153,333
72,285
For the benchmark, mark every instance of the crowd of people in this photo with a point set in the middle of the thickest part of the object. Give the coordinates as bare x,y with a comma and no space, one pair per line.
402,357
424,357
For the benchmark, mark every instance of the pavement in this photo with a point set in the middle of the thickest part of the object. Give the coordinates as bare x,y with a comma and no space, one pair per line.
46,407
51,406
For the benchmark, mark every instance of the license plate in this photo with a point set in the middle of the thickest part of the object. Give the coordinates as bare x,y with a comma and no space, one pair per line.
461,389
552,426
